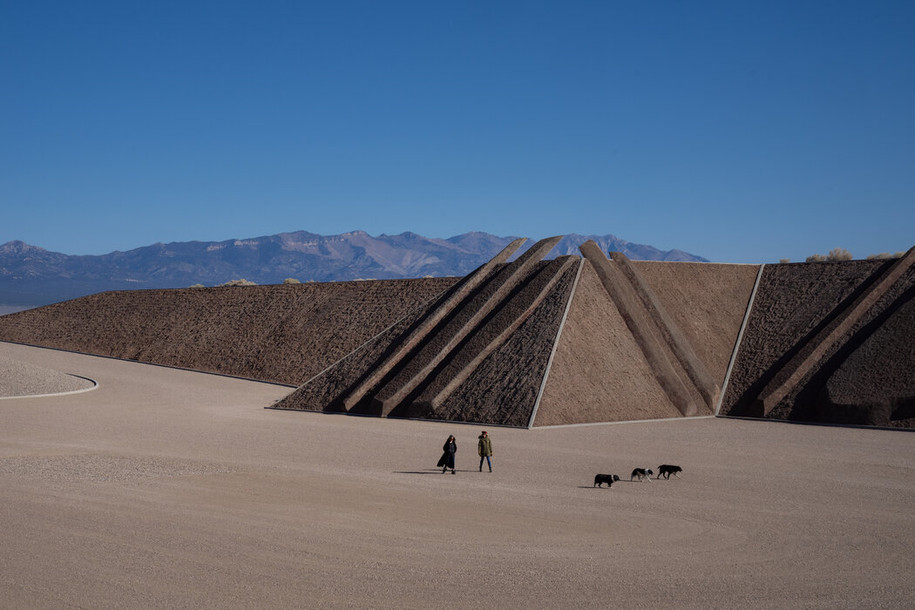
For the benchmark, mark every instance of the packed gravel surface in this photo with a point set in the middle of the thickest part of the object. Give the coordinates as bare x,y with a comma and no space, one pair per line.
169,488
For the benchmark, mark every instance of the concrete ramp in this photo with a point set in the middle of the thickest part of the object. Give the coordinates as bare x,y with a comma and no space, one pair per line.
674,338
644,328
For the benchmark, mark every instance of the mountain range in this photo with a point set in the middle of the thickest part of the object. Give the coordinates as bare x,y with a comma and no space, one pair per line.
32,276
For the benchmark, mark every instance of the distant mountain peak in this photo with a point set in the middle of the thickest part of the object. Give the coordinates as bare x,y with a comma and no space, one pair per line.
19,247
30,275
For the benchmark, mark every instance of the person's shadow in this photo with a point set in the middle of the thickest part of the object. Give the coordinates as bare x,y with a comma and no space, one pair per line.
428,471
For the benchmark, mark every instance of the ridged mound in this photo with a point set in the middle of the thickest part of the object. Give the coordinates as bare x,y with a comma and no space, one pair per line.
537,343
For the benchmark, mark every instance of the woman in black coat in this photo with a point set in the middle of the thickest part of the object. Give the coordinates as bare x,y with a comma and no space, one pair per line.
447,459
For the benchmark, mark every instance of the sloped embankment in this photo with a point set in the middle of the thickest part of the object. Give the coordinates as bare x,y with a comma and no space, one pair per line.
863,375
482,360
278,333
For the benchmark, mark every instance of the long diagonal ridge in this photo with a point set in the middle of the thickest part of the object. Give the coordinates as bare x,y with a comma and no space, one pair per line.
676,340
425,327
640,325
803,363
486,345
448,337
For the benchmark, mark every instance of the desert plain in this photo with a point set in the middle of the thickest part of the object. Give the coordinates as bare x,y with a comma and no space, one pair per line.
164,487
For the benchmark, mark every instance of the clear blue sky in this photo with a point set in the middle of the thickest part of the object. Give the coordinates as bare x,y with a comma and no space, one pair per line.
741,132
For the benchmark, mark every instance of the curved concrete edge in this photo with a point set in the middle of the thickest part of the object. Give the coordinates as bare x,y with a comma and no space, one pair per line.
94,386
165,366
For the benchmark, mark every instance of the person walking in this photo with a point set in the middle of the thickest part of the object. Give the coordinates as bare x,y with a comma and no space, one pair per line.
484,448
449,449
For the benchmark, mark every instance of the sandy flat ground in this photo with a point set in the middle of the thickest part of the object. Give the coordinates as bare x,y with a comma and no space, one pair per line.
168,488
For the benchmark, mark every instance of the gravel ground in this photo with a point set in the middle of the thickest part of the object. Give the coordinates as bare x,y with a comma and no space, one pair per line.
168,488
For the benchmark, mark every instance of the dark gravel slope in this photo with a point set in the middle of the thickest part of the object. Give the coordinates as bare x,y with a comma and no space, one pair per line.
796,301
279,333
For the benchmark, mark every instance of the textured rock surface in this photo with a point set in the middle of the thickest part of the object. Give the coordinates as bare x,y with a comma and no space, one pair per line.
326,391
465,320
496,330
283,333
794,303
493,376
504,388
857,391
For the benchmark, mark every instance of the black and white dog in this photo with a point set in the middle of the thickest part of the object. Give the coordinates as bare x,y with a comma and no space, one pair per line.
641,473
665,470
600,479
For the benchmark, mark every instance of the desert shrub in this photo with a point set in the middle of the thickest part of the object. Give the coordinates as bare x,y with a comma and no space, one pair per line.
197,286
839,254
241,282
881,256
291,280
784,260
836,254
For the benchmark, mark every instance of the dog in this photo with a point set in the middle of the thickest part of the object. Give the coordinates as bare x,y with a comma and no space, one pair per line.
600,479
641,473
665,470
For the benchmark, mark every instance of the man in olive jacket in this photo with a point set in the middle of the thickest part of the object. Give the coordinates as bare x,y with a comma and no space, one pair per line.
484,448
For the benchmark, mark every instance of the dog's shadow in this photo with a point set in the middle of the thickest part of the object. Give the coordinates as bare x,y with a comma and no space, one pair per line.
608,487
428,471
